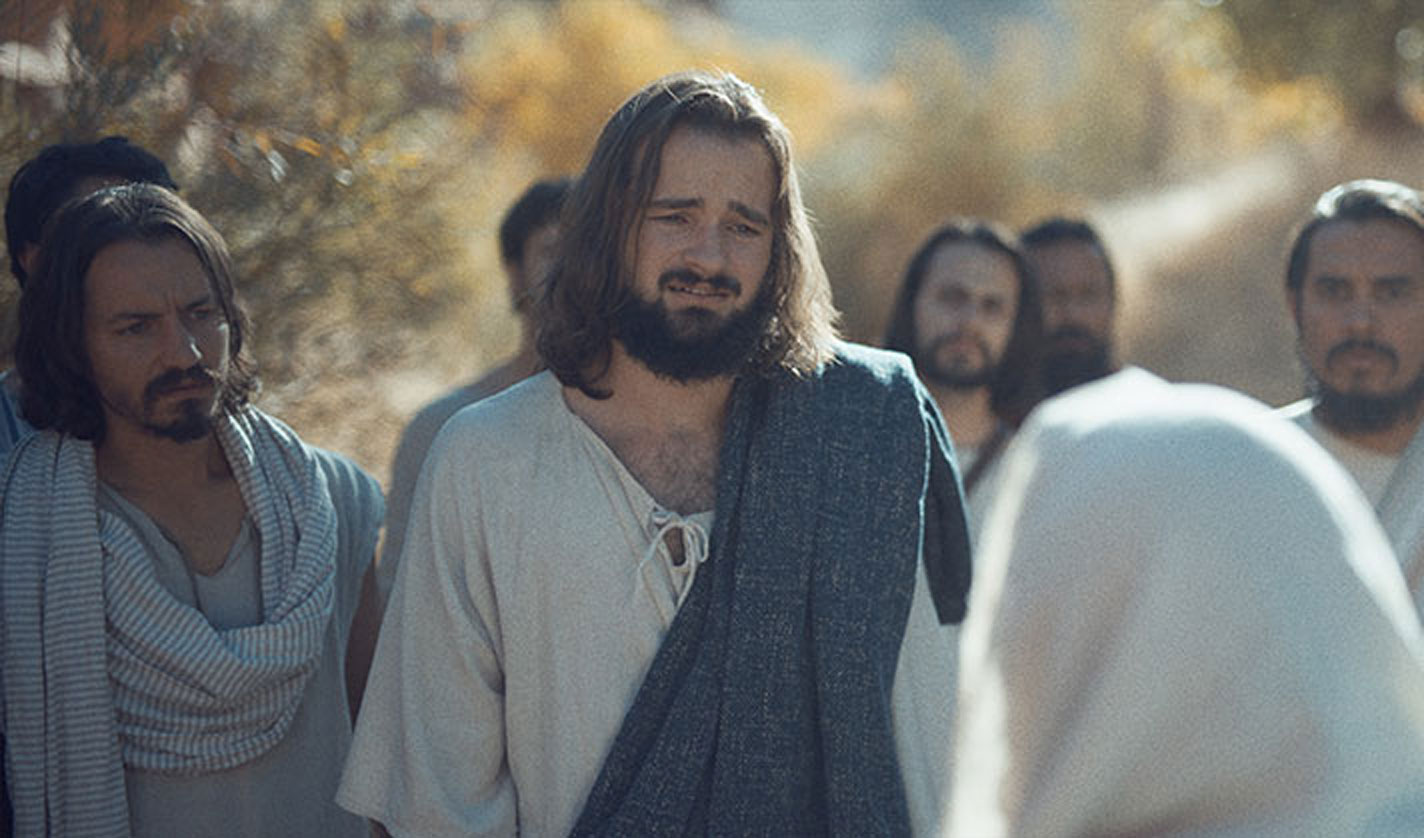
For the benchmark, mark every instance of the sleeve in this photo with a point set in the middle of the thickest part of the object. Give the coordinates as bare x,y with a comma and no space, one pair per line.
429,752
947,559
360,508
922,704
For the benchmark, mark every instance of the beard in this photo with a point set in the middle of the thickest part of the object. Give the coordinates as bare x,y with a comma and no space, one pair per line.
693,344
195,416
1353,413
1087,361
953,375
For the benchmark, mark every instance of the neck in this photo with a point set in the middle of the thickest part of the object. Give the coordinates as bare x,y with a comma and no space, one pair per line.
1390,441
968,414
136,461
657,405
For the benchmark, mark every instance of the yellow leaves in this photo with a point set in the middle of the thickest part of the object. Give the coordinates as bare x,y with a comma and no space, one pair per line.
542,81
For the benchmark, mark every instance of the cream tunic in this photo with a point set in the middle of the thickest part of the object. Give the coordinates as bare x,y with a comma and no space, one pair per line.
525,614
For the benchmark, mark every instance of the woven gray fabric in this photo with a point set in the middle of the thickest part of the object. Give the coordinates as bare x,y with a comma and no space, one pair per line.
103,668
767,708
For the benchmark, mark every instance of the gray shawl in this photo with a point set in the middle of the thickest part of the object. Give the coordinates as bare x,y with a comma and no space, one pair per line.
767,708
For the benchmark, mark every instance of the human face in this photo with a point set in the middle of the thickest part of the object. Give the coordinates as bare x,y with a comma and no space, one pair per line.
1360,312
964,314
702,252
156,338
1078,309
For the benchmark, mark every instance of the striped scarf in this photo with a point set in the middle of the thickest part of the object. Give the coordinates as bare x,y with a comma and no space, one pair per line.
104,669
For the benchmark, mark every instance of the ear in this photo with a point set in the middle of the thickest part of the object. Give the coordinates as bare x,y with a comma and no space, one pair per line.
29,257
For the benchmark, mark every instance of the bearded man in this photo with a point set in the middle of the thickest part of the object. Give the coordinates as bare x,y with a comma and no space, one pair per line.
1355,288
968,314
180,572
690,579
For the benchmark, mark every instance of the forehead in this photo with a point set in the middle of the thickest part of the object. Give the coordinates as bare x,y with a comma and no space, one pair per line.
1070,261
1367,248
971,267
701,164
144,277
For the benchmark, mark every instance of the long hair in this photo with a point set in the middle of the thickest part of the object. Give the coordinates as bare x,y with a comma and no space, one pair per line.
56,380
1356,200
1011,386
590,279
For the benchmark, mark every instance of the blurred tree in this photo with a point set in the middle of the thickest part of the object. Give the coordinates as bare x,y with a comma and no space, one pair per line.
1371,52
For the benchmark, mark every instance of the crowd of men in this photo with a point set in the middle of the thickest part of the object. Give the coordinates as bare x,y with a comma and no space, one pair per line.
690,563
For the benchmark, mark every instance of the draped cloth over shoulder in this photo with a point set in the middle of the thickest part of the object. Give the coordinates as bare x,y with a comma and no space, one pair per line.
767,708
103,668
1401,511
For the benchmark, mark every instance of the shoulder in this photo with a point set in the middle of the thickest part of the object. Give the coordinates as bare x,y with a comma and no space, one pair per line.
352,490
499,431
1298,412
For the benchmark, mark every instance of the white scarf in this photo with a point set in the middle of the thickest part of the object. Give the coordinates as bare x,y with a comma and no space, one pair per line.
1401,511
104,668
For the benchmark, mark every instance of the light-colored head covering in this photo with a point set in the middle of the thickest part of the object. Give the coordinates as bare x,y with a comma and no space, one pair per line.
1186,621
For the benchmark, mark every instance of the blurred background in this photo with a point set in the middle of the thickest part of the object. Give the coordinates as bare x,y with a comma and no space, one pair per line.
358,155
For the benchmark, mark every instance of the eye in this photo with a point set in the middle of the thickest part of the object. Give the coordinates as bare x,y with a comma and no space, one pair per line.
1394,290
744,229
1332,289
136,327
669,218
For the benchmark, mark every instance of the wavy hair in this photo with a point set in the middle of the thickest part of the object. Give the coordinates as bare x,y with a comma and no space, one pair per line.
1018,368
57,389
590,280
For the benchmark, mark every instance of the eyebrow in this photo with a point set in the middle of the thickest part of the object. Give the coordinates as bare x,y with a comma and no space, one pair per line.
118,316
738,207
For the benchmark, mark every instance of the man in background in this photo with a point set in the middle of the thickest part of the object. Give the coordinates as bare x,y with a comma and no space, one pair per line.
1355,288
967,313
58,174
527,237
1079,302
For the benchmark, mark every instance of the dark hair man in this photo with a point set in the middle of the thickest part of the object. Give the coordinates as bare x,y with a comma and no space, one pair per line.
526,244
1187,628
1079,302
57,174
180,571
967,313
685,581
1355,287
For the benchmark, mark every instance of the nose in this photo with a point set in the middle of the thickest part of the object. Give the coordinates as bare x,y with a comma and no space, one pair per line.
182,347
706,253
1360,317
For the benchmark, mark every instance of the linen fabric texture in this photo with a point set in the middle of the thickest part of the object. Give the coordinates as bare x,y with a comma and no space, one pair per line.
1186,621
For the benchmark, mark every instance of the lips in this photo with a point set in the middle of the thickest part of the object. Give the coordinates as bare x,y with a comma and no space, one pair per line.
704,288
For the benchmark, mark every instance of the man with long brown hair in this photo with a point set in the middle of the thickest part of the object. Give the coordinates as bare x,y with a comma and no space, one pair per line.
180,573
692,578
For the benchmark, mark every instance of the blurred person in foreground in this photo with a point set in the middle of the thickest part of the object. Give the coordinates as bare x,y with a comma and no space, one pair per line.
180,571
38,188
1355,288
1079,290
691,578
1185,621
527,236
968,314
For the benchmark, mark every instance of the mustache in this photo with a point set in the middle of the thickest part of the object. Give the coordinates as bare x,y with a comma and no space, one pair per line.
944,340
719,282
1352,345
177,379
